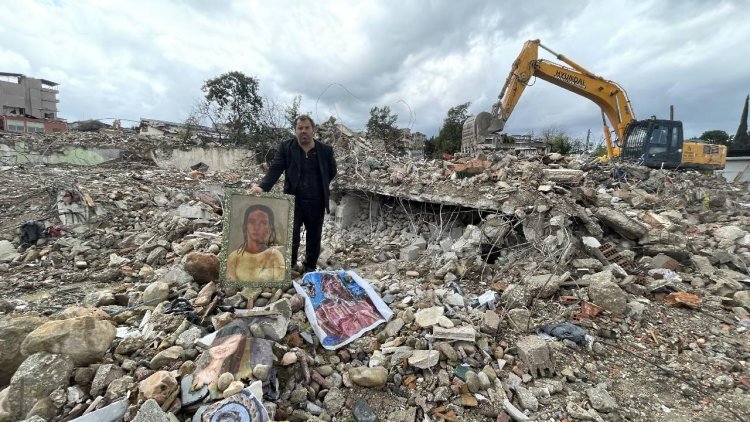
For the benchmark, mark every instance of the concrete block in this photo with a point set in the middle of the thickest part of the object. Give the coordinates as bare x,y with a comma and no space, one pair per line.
664,261
420,243
490,322
563,175
536,354
409,253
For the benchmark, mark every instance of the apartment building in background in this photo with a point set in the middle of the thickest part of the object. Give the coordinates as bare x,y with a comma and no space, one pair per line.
29,105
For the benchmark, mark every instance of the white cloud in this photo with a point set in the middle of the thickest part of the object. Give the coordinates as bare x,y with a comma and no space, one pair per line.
148,59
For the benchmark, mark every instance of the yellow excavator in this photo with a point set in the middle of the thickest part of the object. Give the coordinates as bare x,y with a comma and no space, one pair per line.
653,143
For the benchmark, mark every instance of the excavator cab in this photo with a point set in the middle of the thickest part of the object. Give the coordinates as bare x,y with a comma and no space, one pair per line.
660,144
653,143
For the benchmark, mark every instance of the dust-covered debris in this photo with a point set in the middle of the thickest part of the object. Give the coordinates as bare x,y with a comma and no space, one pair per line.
471,255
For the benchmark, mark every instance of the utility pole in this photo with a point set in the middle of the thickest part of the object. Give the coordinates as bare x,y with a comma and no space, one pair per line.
588,135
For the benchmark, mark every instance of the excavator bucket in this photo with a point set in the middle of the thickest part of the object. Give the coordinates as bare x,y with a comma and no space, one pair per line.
476,128
469,135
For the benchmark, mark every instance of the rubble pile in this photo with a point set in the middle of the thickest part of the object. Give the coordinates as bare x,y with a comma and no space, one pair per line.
522,288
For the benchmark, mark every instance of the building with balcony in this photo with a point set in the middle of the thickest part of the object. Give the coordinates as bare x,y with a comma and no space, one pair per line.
28,104
21,95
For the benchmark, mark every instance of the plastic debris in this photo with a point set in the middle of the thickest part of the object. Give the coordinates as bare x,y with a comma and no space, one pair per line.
485,299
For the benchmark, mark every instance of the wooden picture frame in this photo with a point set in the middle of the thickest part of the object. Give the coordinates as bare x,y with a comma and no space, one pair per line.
248,219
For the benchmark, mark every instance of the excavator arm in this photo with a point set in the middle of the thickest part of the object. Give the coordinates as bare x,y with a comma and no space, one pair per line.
608,95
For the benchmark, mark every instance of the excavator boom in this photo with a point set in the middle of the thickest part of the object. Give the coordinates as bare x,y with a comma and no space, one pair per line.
608,95
654,143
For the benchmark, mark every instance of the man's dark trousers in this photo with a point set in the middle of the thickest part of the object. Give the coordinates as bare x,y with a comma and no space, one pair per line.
311,214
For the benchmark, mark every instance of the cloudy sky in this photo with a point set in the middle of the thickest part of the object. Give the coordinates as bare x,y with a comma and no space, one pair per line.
133,59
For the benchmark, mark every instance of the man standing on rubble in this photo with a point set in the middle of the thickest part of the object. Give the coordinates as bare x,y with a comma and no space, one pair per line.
308,167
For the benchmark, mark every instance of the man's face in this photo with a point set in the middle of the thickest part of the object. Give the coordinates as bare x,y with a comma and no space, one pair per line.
304,131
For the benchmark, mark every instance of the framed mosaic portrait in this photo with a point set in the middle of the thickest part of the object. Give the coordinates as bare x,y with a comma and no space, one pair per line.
257,240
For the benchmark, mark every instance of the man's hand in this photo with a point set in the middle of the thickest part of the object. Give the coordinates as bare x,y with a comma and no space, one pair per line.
256,189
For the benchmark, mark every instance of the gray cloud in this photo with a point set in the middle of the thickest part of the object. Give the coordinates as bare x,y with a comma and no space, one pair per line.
148,59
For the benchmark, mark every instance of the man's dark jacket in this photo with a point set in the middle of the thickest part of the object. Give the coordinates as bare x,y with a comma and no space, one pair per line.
288,159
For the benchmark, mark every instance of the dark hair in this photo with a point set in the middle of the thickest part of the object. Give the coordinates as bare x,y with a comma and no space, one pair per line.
272,228
304,117
231,329
234,362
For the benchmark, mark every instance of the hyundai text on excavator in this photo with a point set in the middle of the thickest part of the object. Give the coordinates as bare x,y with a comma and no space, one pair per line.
653,143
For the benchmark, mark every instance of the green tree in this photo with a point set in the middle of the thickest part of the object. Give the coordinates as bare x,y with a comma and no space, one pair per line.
233,100
382,125
561,144
449,136
715,137
558,140
741,140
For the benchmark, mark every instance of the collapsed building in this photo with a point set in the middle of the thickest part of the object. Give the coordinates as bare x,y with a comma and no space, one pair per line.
483,259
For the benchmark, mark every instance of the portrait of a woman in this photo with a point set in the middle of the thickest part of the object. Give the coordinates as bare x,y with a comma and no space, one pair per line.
258,258
233,350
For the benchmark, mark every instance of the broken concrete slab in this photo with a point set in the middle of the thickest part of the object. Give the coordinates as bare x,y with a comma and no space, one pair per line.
150,411
609,296
520,319
490,322
410,253
543,285
429,316
664,261
463,333
424,359
729,233
564,176
587,265
621,223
